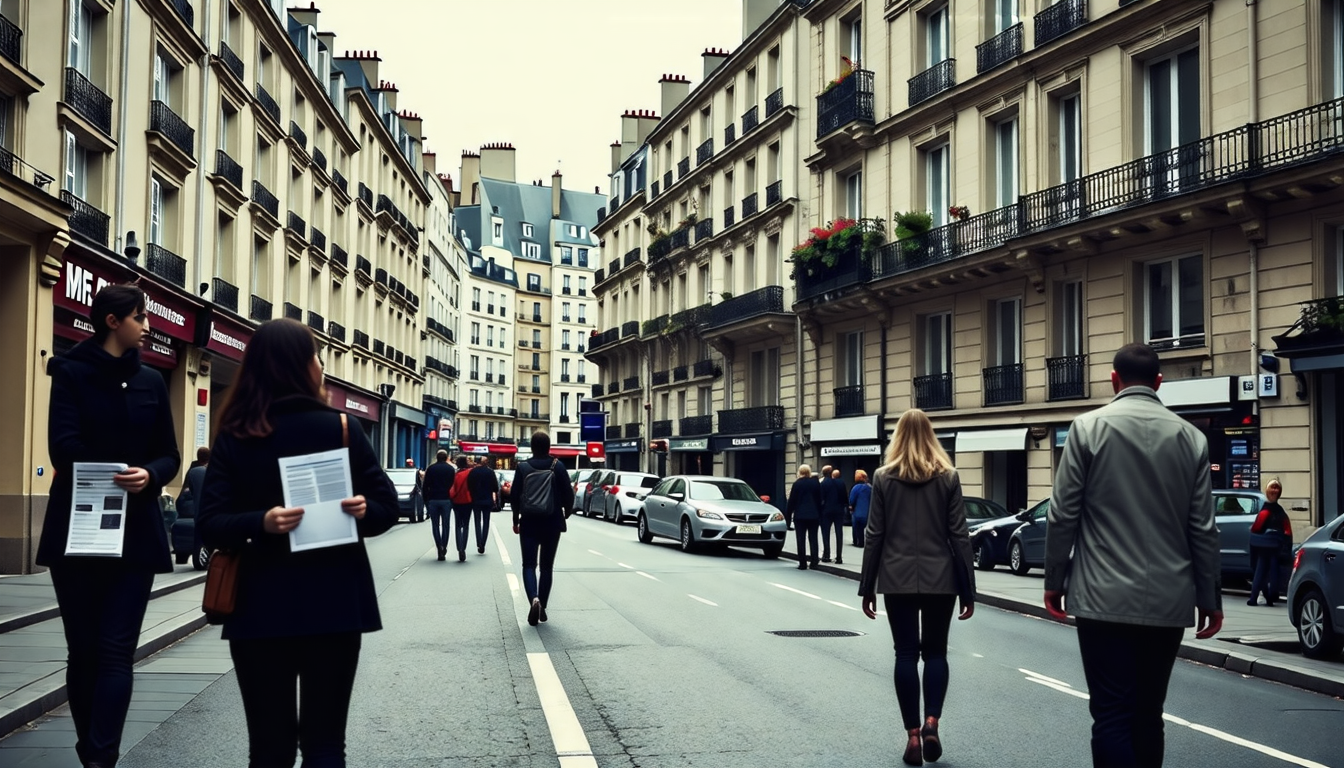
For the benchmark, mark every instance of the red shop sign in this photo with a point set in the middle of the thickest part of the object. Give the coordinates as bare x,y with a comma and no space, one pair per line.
342,398
82,277
225,337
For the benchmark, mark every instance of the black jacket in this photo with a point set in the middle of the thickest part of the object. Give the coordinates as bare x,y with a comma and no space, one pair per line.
483,484
804,499
439,481
834,498
106,409
189,499
562,494
283,593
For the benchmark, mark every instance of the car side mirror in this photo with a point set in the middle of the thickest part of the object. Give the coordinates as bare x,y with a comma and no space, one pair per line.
676,496
766,499
1022,515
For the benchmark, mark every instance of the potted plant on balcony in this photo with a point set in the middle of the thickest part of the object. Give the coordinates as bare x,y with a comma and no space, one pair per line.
847,68
908,226
827,244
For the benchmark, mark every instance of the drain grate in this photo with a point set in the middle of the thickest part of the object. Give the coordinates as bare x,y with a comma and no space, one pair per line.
814,633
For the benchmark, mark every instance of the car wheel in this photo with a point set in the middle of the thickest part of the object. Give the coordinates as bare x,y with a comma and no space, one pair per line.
1314,630
983,556
200,559
643,527
687,536
772,552
1017,560
181,558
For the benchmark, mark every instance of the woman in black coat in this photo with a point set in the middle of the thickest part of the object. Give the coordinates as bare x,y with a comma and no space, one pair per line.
299,615
106,407
804,511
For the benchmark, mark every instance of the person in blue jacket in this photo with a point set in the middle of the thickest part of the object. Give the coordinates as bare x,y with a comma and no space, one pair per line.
859,497
803,511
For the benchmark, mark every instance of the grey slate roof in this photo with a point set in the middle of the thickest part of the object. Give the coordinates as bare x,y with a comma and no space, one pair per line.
527,203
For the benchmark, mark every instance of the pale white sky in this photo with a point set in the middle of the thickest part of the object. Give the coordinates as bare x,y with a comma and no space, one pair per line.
552,77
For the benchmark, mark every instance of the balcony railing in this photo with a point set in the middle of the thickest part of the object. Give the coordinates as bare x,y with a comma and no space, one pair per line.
850,268
654,326
339,180
268,104
729,134
632,429
295,223
749,205
774,193
629,328
613,387
849,401
318,240
228,169
630,382
339,256
681,373
948,242
1059,19
365,195
704,152
762,301
612,268
680,238
1066,377
933,392
224,293
88,100
297,134
705,368
999,49
263,197
695,425
164,120
749,121
85,219
336,331
690,318
231,60
295,312
704,229
933,81
363,265
763,418
166,264
631,257
653,189
774,102
1003,384
361,339
184,9
319,160
11,40
729,217
683,167
849,101
661,378
667,180
661,428
597,390
317,322
260,309
613,432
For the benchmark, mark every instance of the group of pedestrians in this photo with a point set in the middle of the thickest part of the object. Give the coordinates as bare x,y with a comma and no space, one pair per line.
821,504
463,492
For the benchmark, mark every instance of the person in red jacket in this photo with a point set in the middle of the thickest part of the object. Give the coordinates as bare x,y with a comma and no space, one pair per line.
1270,531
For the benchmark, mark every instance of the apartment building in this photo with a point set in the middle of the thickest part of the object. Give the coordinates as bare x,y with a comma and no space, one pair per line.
447,261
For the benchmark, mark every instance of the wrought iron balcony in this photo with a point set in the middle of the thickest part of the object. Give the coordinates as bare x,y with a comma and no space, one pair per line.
597,390
1067,377
849,401
263,197
1059,19
749,205
339,256
749,121
667,180
933,392
316,322
683,167
774,102
336,331
949,242
228,169
361,339
933,81
295,312
612,268
365,195
613,387
319,160
339,180
729,217
297,134
761,301
681,373
613,432
662,428
653,189
704,229
224,294
850,268
630,382
774,193
631,257
704,152
295,223
88,100
690,318
849,101
166,264
630,328
231,60
184,9
260,309
632,429
999,49
268,104
1003,384
85,219
318,240
654,326
11,40
661,378
705,368
695,425
363,265
762,418
681,238
729,134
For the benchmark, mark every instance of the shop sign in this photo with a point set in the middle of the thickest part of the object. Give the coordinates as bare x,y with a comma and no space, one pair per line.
82,279
623,446
404,412
852,450
1061,435
226,337
689,444
353,403
156,350
770,442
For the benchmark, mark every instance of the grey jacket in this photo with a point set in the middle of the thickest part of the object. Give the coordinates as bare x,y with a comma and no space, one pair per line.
1131,534
905,549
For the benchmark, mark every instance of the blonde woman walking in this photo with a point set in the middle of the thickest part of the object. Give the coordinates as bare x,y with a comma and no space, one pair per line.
916,554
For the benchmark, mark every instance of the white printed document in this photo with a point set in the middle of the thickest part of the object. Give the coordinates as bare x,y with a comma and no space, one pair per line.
97,511
317,482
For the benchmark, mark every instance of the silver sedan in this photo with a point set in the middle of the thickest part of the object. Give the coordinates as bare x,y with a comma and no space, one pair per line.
701,509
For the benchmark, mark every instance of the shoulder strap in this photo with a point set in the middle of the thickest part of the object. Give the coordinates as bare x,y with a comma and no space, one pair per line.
345,431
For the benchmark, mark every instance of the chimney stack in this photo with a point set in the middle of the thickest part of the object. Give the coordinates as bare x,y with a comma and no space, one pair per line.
675,89
471,177
498,161
555,194
305,16
714,58
754,14
617,155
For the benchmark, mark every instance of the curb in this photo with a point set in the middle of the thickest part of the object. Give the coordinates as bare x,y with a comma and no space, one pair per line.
54,612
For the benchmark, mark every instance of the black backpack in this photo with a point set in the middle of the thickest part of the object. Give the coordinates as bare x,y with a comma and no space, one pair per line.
538,498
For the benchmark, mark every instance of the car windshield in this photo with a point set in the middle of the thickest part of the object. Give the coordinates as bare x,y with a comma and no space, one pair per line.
715,490
637,481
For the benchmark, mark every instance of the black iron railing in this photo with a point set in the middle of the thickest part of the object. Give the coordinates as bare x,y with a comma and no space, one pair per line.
339,256
263,198
365,195
849,101
319,160
268,104
260,309
339,180
598,390
184,9
729,217
293,311
613,431
667,180
11,40
680,238
704,152
762,418
933,392
164,120
749,205
774,102
166,264
704,229
774,193
629,328
336,331
729,134
683,167
652,327
317,322
612,268
632,429
681,373
705,368
318,240
228,169
653,189
662,428
630,382
601,274
948,242
363,265
88,100
933,81
631,257
379,348
601,215
749,121
661,378
613,387
295,223
690,318
1066,377
761,301
85,219
231,60
695,425
851,268
1003,384
849,401
658,249
1059,19
999,49
224,294
297,134
361,339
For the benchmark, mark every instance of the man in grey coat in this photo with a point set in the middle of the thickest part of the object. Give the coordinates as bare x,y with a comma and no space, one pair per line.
1131,542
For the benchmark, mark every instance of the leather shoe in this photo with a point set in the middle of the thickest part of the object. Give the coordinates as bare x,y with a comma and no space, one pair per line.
534,612
933,748
838,561
802,566
914,753
826,559
461,555
480,550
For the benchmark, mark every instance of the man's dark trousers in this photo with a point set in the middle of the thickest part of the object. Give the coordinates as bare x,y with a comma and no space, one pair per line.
1127,668
805,532
439,514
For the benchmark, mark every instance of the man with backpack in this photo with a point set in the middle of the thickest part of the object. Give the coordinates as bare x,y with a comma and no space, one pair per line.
461,497
541,499
438,487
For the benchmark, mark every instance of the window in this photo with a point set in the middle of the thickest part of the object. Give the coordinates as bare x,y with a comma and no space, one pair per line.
937,36
567,255
564,311
1005,15
852,29
475,333
565,287
475,366
527,230
536,361
536,311
475,398
499,233
80,50
1174,302
1069,318
6,105
489,302
582,309
261,265
1068,138
1335,50
476,299
583,257
533,282
583,286
579,368
1005,162
853,203
936,183
705,284
536,383
851,374
564,339
1007,328
536,337
76,167
935,336
224,249
763,378
1172,105
157,223
532,250
564,405
489,335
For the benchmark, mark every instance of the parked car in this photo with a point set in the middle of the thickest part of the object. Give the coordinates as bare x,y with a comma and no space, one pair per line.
404,480
583,485
1316,591
990,539
1026,544
701,509
625,495
982,510
1234,511
505,486
592,500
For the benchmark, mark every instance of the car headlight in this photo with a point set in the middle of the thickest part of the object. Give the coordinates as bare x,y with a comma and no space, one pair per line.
707,515
775,518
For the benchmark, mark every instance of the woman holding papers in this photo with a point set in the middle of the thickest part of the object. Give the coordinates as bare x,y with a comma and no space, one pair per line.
302,601
110,424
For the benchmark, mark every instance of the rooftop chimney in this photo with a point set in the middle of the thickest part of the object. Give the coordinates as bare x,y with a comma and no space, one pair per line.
555,194
305,16
675,89
471,177
754,14
498,161
617,155
714,58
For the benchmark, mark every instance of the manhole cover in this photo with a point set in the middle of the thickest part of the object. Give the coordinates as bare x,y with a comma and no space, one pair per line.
814,633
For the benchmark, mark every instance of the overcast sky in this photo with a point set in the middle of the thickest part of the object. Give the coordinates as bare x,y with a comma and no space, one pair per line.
552,77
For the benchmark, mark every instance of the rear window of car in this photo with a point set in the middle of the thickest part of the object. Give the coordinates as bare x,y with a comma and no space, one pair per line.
1234,505
713,491
637,481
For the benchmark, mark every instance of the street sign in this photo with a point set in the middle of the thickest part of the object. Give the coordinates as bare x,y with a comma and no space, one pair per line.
592,427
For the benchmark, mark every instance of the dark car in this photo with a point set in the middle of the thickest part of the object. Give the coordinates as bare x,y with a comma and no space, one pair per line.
404,480
1026,544
990,539
1316,591
983,510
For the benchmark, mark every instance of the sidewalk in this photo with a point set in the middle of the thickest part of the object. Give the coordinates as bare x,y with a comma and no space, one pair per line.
1258,641
32,642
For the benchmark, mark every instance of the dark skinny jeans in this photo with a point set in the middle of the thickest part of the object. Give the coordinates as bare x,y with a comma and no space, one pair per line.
1265,562
539,550
919,626
481,511
829,521
462,524
439,512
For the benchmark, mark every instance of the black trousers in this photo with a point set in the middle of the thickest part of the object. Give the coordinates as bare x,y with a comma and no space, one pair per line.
919,627
439,514
1127,668
538,555
832,521
806,529
1265,566
296,695
102,607
462,524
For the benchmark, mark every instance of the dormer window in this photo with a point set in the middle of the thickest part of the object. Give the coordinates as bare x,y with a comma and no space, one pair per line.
527,230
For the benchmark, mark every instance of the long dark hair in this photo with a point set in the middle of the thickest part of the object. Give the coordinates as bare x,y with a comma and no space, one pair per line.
275,365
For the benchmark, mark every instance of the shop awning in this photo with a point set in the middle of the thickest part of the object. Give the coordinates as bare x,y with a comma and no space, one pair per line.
488,449
565,453
1010,439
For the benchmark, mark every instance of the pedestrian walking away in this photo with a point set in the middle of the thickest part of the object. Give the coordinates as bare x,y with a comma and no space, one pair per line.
917,555
107,407
484,486
417,493
1271,535
539,529
295,634
859,498
834,506
461,496
438,489
803,511
1131,551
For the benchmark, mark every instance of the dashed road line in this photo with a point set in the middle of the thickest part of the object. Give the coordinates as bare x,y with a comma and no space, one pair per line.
703,600
647,576
796,591
623,565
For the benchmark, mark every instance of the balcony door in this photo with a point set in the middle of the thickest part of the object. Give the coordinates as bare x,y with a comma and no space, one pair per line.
936,183
1005,162
764,374
1069,319
854,195
1172,104
79,55
1008,331
937,357
1005,15
937,41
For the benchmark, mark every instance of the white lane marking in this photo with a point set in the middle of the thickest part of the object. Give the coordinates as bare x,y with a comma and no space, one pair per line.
1061,689
595,552
1039,676
571,744
647,576
513,581
842,605
978,655
703,600
623,565
797,591
499,543
403,572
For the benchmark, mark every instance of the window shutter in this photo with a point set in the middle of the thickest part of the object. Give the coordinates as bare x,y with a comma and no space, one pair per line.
155,212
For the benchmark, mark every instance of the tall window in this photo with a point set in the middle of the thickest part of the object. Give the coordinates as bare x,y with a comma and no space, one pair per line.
852,361
1005,14
1174,301
564,368
1008,331
936,183
1005,162
76,167
854,195
261,266
536,338
764,378
579,368
534,282
567,255
583,286
1070,138
475,333
583,257
564,405
937,36
489,335
582,309
564,339
936,338
1171,100
156,212
565,286
1336,51
852,29
80,48
1069,318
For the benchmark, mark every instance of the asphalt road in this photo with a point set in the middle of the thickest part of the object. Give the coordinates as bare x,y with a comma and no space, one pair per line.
667,659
